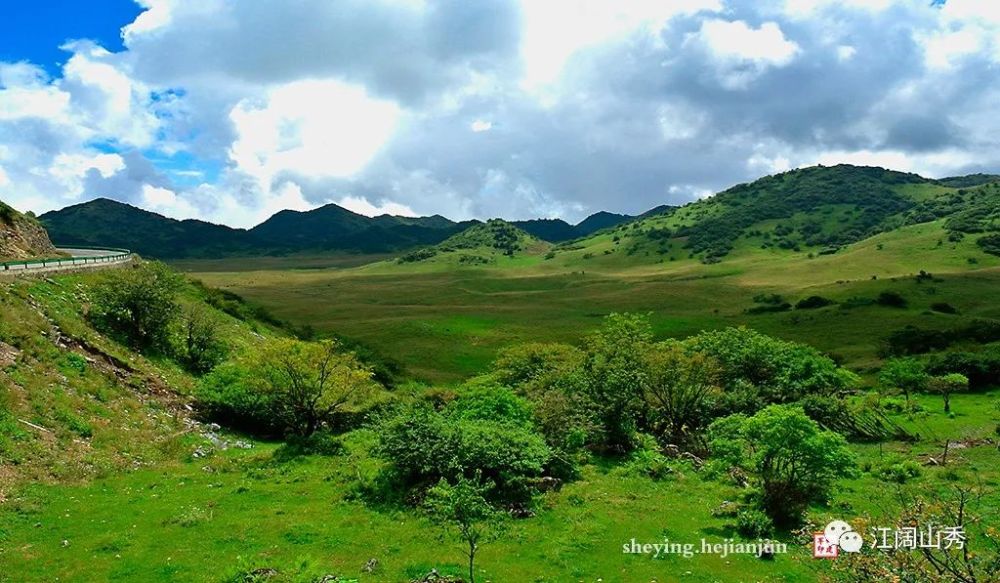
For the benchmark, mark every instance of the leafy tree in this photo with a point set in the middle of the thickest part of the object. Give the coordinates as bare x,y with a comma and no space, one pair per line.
792,460
534,363
464,508
906,374
310,381
201,348
138,303
422,446
948,384
761,370
615,375
680,390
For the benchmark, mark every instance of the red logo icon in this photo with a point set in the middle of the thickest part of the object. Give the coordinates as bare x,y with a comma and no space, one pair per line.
823,548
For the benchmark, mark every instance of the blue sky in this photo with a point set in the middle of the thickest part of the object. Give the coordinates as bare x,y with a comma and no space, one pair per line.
232,110
34,30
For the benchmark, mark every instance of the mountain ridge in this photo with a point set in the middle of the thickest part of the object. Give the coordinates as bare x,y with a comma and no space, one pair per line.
866,198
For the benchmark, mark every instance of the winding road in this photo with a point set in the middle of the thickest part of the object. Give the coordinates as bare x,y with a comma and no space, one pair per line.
79,258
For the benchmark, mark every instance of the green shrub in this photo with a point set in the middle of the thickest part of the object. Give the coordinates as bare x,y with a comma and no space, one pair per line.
813,302
791,460
494,403
897,470
137,304
753,523
229,396
891,299
423,446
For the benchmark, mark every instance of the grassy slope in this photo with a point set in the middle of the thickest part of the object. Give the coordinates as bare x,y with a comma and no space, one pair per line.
75,404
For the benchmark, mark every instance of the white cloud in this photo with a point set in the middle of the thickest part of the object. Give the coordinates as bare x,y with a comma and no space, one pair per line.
312,128
362,206
554,30
738,41
481,125
743,53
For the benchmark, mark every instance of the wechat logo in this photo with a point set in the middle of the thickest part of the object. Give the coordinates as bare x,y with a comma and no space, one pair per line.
837,536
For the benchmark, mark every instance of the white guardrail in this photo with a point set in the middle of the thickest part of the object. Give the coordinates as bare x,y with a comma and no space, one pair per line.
79,258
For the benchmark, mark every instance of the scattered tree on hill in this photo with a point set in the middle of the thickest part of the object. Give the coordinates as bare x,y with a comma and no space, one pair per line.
310,381
463,507
948,384
138,304
200,348
793,461
906,374
680,391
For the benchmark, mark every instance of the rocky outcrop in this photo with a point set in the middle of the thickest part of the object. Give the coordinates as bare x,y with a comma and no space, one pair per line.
22,237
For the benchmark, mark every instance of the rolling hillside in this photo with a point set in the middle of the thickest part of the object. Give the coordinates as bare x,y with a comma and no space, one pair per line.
107,222
808,213
491,243
22,237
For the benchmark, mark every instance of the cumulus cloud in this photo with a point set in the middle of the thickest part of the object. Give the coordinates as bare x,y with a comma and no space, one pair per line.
230,111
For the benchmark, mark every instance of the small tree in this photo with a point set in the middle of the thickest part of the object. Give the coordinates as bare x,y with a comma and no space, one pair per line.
464,509
679,391
201,349
905,374
792,459
310,381
948,384
137,303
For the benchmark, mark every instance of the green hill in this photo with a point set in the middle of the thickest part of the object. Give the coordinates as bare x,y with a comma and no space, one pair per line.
808,212
111,223
480,244
333,227
328,228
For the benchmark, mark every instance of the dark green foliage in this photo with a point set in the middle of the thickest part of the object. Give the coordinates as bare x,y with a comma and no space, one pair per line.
783,195
969,180
7,214
200,347
236,306
615,375
891,299
598,221
417,255
981,368
792,461
813,302
913,340
944,308
552,230
858,422
110,223
138,304
990,244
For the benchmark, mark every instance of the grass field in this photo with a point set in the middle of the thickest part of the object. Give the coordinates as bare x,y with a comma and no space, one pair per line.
222,517
444,324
